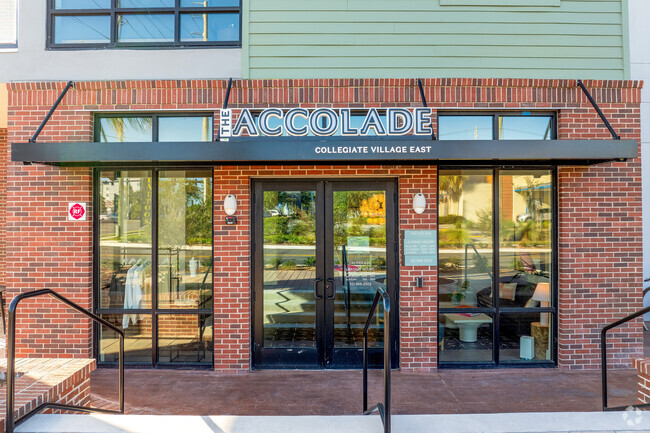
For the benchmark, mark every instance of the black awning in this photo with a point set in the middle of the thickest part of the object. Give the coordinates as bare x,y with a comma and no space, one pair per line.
329,150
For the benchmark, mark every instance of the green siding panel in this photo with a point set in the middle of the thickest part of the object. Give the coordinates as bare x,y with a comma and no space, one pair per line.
462,38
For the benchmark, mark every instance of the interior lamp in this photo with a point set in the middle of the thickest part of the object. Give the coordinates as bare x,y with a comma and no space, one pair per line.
543,295
230,204
419,203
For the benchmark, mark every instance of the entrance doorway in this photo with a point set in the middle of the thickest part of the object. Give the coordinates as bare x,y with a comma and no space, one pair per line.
320,251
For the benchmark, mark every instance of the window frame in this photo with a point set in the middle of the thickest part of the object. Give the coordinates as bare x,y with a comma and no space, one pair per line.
154,311
114,11
155,117
497,311
495,119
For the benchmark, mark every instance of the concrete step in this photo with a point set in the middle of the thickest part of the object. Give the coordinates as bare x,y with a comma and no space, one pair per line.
629,421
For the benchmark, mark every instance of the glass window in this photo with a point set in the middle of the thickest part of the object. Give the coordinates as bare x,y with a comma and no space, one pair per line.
465,127
185,239
125,211
8,24
525,337
82,4
174,268
146,3
209,3
125,129
185,128
136,129
185,338
137,339
105,23
473,290
72,29
465,337
526,210
510,126
525,128
465,236
145,28
209,27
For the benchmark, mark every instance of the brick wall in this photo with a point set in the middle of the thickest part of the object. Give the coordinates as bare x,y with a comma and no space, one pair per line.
600,272
44,249
600,233
3,205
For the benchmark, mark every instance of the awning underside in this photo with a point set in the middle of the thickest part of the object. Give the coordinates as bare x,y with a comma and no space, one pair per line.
330,150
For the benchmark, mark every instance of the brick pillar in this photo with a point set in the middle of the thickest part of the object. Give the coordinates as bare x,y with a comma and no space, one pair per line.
418,305
232,282
3,205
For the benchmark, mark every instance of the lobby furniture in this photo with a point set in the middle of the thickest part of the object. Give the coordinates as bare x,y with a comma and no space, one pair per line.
468,324
540,334
543,295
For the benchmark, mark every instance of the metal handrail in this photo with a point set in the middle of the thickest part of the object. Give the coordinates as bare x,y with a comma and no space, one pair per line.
603,354
481,259
384,409
10,423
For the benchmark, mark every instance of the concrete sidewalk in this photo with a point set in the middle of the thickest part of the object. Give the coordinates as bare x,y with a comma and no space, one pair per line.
600,422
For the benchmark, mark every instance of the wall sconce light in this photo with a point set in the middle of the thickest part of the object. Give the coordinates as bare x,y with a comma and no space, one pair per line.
230,204
419,203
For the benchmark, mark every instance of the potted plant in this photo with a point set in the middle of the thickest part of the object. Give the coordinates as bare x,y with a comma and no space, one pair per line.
458,295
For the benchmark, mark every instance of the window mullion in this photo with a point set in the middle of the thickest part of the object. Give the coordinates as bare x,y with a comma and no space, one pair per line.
177,23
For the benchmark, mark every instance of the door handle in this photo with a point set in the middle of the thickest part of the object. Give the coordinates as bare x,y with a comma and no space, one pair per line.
327,286
316,295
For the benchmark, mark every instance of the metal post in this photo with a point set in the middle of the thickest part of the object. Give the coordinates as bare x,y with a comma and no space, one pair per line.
600,113
387,365
365,372
225,105
52,110
603,368
11,371
424,103
121,375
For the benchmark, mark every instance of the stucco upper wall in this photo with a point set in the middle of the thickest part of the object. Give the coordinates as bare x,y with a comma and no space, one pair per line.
32,62
435,38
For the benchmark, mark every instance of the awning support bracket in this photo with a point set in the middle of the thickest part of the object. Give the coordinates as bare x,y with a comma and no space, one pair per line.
424,102
225,104
51,112
615,136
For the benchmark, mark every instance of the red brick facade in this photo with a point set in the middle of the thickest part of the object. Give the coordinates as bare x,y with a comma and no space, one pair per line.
600,206
3,205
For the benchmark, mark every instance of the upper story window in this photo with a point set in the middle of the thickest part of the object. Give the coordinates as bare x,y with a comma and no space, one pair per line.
496,126
143,23
7,24
112,128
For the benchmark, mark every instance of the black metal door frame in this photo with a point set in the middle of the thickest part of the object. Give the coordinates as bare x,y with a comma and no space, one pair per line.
324,355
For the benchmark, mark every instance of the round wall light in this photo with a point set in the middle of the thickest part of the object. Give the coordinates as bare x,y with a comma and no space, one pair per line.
230,204
419,203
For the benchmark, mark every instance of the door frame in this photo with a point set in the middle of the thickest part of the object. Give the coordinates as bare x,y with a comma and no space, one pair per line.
324,353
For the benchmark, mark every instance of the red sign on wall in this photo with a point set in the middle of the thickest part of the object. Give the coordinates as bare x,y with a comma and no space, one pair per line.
76,211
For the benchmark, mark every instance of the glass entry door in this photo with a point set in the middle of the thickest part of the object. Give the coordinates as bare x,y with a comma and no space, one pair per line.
321,250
